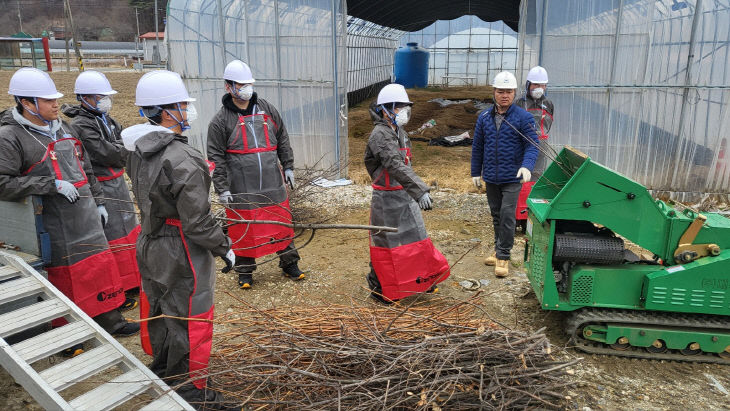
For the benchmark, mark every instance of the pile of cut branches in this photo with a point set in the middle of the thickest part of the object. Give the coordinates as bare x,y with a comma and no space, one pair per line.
430,355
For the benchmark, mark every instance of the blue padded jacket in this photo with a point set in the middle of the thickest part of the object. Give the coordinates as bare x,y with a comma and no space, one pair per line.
496,155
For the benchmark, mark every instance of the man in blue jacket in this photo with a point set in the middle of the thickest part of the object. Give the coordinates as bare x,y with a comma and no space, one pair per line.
503,154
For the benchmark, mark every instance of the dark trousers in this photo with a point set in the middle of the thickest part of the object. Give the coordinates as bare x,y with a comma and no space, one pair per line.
502,199
287,257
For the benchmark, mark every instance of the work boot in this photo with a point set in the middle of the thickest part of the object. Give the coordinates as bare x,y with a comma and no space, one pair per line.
127,330
491,260
292,271
129,304
245,280
380,298
73,351
502,268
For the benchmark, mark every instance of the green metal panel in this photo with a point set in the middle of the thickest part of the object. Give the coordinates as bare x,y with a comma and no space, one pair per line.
575,188
615,286
702,286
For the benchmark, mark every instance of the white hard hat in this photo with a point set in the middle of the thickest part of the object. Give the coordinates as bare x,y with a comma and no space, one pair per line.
239,72
393,93
537,75
504,79
93,82
31,82
161,87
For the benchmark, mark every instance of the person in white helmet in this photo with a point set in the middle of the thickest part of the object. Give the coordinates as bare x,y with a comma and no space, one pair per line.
41,156
179,237
249,145
535,101
101,137
503,154
405,262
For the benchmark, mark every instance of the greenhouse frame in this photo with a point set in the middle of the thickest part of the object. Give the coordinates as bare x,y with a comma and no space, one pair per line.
466,50
639,85
296,50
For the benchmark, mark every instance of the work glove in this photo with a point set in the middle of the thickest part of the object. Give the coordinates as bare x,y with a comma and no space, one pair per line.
225,197
425,202
103,214
289,176
524,174
477,182
67,190
230,260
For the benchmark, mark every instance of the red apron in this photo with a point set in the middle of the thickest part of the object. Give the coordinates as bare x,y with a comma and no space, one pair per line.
405,262
82,266
257,186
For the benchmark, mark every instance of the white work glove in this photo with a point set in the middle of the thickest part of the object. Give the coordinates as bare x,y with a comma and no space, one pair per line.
425,202
289,176
524,174
230,260
103,214
67,190
225,197
477,182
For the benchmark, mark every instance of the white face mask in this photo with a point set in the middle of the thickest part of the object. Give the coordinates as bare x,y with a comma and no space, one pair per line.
401,119
537,93
104,105
244,92
192,113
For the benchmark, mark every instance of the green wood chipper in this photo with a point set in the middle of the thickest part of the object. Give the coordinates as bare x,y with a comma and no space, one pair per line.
639,277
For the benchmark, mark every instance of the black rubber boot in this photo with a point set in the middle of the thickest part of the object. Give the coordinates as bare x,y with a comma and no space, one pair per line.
376,291
292,271
73,351
245,280
127,330
129,304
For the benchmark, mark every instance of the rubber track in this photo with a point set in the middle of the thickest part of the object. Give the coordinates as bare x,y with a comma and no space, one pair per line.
579,319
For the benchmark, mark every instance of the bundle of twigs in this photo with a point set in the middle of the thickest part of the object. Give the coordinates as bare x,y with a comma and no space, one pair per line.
431,355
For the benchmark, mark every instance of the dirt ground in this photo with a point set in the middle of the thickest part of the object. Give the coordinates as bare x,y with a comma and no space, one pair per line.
336,263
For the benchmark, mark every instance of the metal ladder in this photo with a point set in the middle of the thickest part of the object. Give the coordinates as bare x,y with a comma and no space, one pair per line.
19,282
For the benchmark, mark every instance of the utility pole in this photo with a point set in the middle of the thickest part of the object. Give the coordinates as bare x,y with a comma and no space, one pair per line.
20,19
77,42
156,55
65,34
136,39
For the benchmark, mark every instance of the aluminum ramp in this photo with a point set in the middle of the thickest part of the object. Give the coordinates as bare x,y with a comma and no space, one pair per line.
110,375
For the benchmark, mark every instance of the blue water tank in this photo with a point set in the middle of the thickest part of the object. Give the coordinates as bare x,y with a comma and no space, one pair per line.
411,66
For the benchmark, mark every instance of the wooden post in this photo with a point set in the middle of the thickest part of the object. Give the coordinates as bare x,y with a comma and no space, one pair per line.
77,42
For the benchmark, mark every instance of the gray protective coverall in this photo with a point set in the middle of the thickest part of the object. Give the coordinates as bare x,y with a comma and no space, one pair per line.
101,137
175,249
82,266
247,147
542,110
404,262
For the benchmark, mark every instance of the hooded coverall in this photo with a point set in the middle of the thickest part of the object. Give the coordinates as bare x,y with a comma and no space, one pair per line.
247,147
101,137
175,250
405,262
82,266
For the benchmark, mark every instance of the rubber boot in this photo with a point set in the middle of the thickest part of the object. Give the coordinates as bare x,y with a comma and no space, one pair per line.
292,271
245,280
502,268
